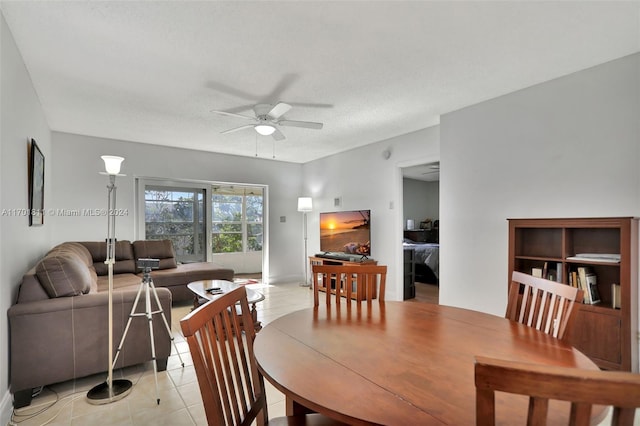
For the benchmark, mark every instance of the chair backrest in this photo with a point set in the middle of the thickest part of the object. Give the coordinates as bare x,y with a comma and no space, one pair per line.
358,282
583,388
546,305
221,345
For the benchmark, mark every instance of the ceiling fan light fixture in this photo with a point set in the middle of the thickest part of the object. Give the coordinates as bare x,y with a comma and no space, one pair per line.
265,129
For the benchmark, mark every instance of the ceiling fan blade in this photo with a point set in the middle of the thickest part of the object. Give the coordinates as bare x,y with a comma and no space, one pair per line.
235,129
231,114
282,86
277,135
305,124
240,109
310,105
279,110
230,90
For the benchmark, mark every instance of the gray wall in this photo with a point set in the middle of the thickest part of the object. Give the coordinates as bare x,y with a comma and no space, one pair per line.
22,118
364,179
566,148
77,185
421,200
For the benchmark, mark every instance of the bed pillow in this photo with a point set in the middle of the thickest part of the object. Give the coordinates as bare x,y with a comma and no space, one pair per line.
408,241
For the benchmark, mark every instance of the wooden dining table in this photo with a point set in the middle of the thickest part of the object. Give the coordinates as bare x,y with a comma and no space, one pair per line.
402,363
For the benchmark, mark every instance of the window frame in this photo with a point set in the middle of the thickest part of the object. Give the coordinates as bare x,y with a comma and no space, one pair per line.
194,223
141,182
244,222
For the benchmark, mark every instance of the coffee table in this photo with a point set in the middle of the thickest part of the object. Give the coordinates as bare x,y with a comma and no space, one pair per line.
202,295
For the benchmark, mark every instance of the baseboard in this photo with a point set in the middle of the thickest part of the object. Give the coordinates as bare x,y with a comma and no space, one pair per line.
6,408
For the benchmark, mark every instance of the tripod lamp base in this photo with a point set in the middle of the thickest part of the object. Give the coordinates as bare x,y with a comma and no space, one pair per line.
101,394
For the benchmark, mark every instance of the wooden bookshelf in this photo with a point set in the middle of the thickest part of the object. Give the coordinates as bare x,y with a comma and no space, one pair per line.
608,336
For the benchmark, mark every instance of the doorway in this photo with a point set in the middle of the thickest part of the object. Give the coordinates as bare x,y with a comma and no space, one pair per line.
421,225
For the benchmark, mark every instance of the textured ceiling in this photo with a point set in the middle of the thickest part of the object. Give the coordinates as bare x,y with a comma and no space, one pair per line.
429,172
152,71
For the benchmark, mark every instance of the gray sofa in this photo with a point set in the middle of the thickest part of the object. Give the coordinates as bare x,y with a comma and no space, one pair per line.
59,323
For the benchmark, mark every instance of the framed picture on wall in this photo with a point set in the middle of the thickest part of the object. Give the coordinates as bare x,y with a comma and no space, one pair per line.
36,185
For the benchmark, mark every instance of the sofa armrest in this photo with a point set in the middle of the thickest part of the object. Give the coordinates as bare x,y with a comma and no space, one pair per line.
77,327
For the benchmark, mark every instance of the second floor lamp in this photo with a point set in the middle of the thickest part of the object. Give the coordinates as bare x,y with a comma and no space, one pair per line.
305,205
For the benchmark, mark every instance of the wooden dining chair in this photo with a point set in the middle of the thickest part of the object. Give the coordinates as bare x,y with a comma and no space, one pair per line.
546,305
354,282
583,388
221,346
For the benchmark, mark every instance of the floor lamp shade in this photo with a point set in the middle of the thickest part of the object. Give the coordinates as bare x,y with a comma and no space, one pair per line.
305,204
112,164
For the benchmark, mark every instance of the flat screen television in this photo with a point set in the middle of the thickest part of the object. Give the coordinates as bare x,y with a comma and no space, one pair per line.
346,232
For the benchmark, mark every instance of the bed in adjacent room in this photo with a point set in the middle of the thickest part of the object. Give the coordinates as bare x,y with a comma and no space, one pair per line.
427,260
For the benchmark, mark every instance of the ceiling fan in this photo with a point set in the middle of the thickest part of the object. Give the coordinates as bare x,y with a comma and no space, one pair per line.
266,118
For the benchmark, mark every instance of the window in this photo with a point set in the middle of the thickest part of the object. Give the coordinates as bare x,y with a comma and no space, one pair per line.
237,225
177,214
205,221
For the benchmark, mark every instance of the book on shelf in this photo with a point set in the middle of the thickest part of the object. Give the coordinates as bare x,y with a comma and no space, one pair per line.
581,281
549,272
615,296
592,286
588,283
573,279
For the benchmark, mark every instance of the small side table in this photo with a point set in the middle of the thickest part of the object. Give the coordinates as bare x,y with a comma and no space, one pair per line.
201,295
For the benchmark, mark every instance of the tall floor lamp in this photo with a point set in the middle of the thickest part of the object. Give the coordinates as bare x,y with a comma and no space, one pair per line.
111,390
305,205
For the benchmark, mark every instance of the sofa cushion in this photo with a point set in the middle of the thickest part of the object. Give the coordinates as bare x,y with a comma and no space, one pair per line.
64,273
120,281
30,289
156,249
76,248
189,272
124,262
84,254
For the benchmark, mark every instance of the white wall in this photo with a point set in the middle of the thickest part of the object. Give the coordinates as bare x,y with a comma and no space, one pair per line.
566,148
21,118
77,185
421,200
365,180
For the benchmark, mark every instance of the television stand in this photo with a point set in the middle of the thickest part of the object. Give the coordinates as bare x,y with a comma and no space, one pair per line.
342,259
